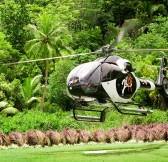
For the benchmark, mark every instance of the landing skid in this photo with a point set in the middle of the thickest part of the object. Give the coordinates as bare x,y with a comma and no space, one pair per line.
101,114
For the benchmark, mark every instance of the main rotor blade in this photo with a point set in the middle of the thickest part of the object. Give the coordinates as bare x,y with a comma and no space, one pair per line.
50,58
141,50
128,24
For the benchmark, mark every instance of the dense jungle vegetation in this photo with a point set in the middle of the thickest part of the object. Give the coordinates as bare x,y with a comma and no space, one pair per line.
33,29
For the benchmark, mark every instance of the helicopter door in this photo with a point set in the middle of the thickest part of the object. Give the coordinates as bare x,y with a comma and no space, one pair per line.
90,82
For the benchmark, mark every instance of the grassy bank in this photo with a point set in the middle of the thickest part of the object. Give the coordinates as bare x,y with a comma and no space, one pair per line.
117,152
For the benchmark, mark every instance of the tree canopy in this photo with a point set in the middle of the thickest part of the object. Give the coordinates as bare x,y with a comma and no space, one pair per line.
33,29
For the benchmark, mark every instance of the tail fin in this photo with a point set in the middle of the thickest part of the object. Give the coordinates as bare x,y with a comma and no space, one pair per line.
162,72
162,81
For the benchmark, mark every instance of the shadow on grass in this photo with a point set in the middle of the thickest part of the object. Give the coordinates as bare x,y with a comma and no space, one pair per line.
126,151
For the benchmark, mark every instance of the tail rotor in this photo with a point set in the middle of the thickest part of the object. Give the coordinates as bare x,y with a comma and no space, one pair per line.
162,81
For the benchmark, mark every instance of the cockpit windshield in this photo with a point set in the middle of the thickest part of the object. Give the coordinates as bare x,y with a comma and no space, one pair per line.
88,75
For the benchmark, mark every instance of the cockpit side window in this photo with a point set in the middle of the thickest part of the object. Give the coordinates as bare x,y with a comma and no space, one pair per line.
110,72
106,71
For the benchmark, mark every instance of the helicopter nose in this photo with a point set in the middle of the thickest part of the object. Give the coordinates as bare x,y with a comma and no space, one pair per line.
74,87
73,82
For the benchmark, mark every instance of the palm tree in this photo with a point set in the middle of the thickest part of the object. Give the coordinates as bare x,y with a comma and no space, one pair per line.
49,39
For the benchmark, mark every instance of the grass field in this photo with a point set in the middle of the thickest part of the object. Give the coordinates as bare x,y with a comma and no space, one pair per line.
143,152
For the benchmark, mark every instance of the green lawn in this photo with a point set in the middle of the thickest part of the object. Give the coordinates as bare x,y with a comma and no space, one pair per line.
144,152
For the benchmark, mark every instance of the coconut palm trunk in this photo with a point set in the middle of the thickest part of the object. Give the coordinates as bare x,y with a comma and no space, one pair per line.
45,86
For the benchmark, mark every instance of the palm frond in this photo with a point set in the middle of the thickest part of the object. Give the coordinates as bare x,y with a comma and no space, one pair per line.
32,99
34,48
33,29
30,87
37,88
58,31
27,91
36,80
46,23
50,49
66,38
30,43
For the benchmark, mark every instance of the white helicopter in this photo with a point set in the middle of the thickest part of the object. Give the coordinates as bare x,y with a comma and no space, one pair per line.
111,79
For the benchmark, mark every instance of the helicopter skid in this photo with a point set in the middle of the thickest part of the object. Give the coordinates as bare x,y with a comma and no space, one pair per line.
140,111
99,115
82,113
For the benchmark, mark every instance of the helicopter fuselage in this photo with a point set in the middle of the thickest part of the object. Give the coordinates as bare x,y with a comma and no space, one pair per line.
108,77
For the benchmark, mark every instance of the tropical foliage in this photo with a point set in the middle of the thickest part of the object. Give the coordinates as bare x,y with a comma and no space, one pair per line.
33,29
14,16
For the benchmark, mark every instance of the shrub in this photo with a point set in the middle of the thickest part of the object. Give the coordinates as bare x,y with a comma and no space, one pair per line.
54,137
4,139
70,136
111,136
35,119
36,137
123,134
99,136
139,133
83,136
17,138
159,131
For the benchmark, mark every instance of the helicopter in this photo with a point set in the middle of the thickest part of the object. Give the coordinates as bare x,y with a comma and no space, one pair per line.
111,79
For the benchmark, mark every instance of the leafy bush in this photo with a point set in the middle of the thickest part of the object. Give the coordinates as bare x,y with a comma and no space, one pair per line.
112,136
114,119
88,39
35,119
57,89
11,92
139,133
149,41
30,88
161,27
